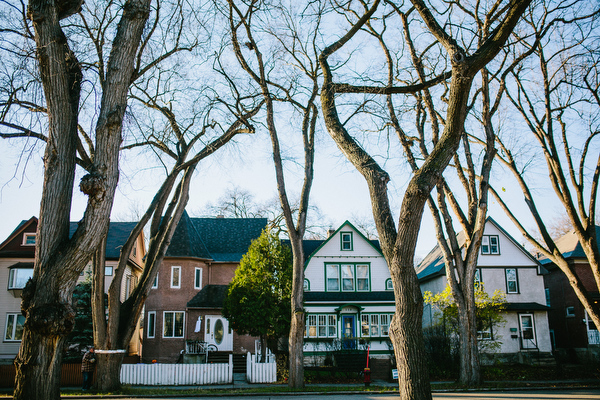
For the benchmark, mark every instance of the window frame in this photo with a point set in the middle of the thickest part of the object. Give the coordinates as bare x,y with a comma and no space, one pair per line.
570,311
16,316
389,285
516,280
12,278
321,322
155,283
373,323
346,238
306,285
340,269
477,278
178,269
486,245
151,333
106,267
164,330
198,282
28,235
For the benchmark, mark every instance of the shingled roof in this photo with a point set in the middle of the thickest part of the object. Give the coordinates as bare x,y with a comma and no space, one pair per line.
217,239
569,246
118,233
211,296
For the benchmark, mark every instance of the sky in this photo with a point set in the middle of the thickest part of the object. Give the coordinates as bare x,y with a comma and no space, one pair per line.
339,191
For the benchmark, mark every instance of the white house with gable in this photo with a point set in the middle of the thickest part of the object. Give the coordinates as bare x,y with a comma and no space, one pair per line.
348,295
504,265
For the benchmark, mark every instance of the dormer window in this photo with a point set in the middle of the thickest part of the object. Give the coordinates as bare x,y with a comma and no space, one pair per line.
346,241
29,239
490,244
18,277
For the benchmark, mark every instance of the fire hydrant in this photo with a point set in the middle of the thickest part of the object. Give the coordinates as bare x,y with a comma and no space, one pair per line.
367,374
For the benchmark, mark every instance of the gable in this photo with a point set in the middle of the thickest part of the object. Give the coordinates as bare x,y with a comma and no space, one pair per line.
360,245
14,245
509,254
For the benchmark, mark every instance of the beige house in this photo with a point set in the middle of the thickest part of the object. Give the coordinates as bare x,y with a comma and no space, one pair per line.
17,255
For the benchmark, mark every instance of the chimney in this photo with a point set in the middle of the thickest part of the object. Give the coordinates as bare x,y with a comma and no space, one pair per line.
220,216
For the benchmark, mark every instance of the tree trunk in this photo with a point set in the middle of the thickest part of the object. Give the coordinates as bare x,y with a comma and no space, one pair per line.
41,380
297,329
108,371
470,371
406,335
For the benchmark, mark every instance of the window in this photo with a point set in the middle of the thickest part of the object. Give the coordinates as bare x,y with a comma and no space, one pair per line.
333,278
155,282
512,283
108,271
547,291
375,325
570,311
29,239
388,284
477,280
490,244
173,324
18,277
362,278
306,285
484,329
321,325
348,277
198,278
151,324
346,241
176,277
14,327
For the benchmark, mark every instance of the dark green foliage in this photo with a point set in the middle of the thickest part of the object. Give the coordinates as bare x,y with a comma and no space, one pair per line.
82,335
442,353
258,297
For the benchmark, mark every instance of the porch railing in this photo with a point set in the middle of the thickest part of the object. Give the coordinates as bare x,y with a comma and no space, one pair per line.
593,337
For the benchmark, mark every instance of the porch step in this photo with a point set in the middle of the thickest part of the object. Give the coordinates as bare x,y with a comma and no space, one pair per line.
239,360
539,359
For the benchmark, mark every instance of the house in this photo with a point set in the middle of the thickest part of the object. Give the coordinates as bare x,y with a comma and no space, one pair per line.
573,333
502,265
184,305
17,254
348,296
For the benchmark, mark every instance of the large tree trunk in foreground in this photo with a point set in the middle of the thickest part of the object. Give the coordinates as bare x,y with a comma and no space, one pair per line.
297,329
470,370
108,370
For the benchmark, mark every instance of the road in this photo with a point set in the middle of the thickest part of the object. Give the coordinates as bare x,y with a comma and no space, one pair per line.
584,394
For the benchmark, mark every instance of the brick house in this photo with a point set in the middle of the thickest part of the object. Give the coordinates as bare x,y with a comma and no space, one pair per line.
17,254
186,299
573,334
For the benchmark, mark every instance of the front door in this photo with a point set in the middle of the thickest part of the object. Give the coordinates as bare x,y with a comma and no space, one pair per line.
349,331
217,332
528,340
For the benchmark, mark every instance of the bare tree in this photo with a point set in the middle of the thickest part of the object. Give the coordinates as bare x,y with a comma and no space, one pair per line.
398,243
185,140
560,109
60,258
298,50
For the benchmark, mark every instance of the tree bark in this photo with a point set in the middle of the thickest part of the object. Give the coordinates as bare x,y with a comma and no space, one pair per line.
297,329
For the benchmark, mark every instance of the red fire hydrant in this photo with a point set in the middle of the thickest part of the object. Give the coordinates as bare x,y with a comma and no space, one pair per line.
367,373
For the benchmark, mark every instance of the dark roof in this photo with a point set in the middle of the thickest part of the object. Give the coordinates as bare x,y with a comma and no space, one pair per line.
118,233
218,239
211,296
526,307
569,246
349,297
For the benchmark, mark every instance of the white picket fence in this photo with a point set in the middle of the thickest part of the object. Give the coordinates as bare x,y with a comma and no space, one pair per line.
257,372
177,374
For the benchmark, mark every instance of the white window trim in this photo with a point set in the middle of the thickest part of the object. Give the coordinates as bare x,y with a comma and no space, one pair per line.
173,268
350,241
11,278
197,285
27,235
14,328
516,280
151,334
155,282
163,327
